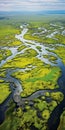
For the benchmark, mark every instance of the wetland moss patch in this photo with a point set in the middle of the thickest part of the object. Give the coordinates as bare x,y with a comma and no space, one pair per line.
38,78
2,73
4,91
61,38
57,96
41,39
38,47
22,120
15,43
1,80
60,51
41,105
4,54
51,58
30,118
21,47
23,60
45,114
31,53
52,105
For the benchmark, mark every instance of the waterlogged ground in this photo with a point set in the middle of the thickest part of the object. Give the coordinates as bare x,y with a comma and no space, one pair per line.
30,53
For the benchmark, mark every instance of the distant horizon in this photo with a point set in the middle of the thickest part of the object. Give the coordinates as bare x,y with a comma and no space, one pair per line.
42,12
32,5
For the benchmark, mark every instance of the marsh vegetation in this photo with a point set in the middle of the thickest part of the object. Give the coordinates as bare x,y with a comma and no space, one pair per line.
29,54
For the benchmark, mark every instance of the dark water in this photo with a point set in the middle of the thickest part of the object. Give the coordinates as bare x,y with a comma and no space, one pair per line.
4,107
54,119
2,116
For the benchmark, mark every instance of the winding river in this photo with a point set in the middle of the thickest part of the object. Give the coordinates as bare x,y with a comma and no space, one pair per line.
16,87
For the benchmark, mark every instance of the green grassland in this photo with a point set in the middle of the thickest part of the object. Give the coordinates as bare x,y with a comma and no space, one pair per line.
7,35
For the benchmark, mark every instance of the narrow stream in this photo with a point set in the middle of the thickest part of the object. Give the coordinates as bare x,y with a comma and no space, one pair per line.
16,88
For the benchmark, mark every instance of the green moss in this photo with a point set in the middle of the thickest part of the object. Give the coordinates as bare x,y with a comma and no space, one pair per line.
31,53
3,73
38,78
60,38
46,114
22,120
60,51
15,43
41,105
21,62
53,59
1,80
52,105
4,91
4,54
58,96
47,94
38,47
21,48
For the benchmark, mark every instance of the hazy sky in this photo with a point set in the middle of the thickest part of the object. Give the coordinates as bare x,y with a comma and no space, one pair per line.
31,5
